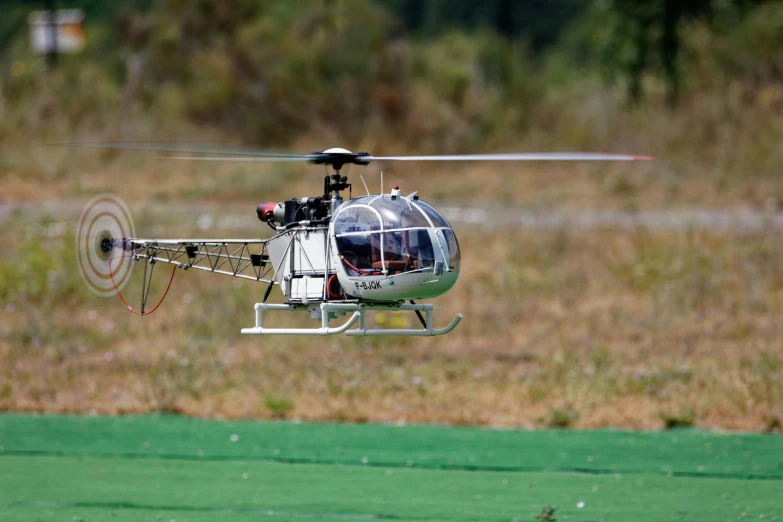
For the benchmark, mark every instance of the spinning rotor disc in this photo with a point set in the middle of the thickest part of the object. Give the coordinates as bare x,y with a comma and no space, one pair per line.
104,218
337,157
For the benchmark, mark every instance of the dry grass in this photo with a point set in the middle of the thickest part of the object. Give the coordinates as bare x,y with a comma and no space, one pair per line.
605,328
719,148
39,173
584,329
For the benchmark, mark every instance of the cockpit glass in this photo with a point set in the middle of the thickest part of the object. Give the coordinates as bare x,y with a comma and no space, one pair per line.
356,219
402,240
437,219
412,217
453,246
359,253
395,213
418,247
391,211
403,251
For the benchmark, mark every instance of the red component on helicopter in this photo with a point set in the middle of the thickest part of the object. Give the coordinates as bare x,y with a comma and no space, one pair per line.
266,211
334,288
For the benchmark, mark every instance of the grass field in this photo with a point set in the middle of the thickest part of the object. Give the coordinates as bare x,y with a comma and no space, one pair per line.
597,328
184,469
607,327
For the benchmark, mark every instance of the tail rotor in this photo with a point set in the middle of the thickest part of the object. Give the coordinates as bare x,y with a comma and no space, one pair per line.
104,218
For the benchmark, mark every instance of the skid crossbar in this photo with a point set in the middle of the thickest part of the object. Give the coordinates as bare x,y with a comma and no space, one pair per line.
328,310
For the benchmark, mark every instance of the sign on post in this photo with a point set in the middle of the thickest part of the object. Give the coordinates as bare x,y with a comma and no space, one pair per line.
63,34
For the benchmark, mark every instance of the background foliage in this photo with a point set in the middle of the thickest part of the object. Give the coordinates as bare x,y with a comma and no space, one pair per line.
432,75
602,326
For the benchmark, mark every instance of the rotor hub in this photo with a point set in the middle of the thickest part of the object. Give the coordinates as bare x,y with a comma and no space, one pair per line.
106,244
337,157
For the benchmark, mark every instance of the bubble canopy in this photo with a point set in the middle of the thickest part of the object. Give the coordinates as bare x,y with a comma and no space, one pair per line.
390,235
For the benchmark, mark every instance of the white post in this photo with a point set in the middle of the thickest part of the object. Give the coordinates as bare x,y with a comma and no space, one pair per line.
324,316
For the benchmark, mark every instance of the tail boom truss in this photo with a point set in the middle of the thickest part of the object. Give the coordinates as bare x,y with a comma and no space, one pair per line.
242,258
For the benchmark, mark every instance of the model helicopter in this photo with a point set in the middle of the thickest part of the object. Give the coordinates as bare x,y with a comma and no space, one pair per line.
328,256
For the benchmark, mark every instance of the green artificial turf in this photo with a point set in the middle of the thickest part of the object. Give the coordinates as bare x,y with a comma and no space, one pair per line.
175,468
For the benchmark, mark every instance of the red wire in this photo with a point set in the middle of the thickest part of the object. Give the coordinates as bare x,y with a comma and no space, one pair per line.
363,272
329,288
142,314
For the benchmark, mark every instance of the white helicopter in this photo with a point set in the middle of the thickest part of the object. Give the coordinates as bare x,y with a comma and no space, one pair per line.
329,257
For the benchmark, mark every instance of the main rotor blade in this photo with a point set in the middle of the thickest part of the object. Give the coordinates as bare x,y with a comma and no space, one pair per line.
269,158
365,159
161,146
528,156
341,157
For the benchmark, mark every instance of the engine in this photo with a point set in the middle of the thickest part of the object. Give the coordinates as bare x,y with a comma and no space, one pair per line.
292,211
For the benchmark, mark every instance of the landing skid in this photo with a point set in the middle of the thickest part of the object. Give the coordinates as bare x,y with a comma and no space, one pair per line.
331,310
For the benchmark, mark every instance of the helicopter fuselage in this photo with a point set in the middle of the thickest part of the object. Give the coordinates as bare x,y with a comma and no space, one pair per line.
379,248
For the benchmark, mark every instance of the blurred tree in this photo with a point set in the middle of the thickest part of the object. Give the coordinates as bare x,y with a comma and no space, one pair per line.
539,21
275,70
268,69
432,75
642,34
12,23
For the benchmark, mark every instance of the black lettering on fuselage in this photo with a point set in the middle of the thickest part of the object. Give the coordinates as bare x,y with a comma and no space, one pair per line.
365,285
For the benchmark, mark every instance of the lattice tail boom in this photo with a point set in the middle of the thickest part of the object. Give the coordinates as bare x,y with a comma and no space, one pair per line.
247,259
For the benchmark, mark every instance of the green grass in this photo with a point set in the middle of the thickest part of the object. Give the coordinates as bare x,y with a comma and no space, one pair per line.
569,328
176,468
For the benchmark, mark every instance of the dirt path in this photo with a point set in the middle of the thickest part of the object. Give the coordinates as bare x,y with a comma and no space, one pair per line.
212,215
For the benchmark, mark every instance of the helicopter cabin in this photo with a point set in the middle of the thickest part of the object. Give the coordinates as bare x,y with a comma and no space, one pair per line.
391,247
382,248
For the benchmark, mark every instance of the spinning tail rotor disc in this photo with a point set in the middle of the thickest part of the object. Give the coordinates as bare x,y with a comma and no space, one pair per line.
104,218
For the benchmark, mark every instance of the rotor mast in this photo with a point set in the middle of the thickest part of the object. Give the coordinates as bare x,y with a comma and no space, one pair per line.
332,186
335,183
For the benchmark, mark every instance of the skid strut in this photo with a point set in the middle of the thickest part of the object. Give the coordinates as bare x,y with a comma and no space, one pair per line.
329,310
